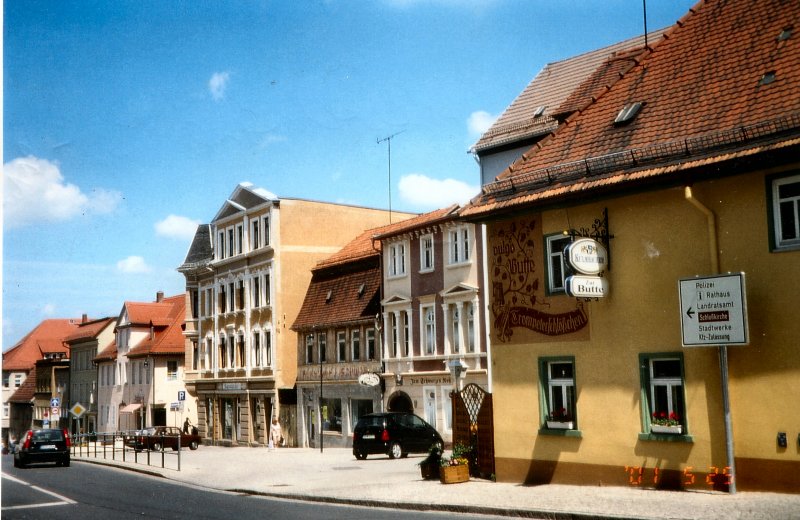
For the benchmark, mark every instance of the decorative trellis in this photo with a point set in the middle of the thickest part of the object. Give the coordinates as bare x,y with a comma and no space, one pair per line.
473,425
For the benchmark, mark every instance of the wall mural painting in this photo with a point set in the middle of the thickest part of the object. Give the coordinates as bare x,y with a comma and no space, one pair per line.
520,307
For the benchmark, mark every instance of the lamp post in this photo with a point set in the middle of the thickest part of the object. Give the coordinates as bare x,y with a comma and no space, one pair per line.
321,422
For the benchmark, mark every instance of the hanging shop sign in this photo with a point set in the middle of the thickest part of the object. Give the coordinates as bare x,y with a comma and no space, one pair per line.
586,286
369,379
587,256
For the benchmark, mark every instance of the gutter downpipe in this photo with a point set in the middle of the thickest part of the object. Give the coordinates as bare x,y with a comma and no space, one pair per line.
722,349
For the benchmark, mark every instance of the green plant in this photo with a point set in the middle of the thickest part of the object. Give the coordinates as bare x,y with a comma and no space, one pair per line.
459,457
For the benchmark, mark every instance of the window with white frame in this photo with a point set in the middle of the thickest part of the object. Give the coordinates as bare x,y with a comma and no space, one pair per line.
394,335
231,297
239,239
355,345
456,329
459,244
429,331
240,294
256,345
785,197
17,380
255,234
209,344
322,343
309,349
232,352
209,301
223,300
397,259
556,264
242,351
268,347
266,231
231,243
221,245
341,344
470,327
557,380
426,253
223,352
662,382
406,335
370,344
172,370
267,289
256,287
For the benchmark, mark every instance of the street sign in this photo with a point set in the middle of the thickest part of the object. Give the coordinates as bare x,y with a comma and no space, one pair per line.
714,311
176,406
181,395
55,401
55,411
77,410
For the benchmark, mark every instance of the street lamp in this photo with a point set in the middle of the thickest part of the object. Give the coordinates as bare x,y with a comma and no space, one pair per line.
458,370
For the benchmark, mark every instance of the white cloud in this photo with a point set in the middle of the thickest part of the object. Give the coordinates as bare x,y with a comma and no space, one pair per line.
177,227
479,122
133,265
425,192
49,309
217,84
36,191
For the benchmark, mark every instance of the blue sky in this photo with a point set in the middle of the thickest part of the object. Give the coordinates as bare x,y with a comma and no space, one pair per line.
126,123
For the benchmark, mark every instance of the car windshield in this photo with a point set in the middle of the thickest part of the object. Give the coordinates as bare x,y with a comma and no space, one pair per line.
371,421
48,436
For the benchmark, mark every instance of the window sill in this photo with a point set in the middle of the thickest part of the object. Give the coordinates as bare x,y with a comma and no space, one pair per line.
786,248
454,265
561,433
666,437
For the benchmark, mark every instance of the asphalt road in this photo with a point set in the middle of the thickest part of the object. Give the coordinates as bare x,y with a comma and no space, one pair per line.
97,492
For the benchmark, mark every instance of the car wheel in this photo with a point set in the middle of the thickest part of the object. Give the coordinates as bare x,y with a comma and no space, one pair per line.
193,445
156,446
395,451
360,456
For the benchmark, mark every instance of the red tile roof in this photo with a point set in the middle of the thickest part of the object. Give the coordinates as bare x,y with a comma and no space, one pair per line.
418,222
109,353
89,329
24,394
167,318
702,101
48,336
341,296
551,88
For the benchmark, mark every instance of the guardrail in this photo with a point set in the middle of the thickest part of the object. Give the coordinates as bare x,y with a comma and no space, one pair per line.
126,447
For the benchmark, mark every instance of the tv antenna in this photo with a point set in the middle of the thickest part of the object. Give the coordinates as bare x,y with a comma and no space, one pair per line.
389,144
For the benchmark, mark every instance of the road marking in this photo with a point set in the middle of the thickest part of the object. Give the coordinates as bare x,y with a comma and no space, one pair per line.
63,501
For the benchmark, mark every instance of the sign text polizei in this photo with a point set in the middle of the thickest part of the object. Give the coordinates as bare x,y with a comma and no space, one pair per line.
714,311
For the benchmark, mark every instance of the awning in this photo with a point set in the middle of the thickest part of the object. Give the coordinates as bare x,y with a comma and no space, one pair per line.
130,408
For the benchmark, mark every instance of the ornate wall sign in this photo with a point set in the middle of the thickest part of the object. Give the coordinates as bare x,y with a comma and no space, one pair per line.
519,304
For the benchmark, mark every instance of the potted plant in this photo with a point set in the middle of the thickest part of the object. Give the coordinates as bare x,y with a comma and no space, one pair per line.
429,467
661,422
455,468
560,419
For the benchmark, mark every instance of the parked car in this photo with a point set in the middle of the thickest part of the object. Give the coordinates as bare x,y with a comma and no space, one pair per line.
162,437
394,433
50,445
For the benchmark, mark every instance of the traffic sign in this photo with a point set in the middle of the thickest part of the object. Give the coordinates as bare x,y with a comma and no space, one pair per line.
55,411
77,410
713,311
181,395
55,401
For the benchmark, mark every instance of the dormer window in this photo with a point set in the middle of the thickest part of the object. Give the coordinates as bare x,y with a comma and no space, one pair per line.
539,112
328,296
627,113
767,78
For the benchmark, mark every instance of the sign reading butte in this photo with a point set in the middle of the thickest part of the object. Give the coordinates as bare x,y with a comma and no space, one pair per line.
589,258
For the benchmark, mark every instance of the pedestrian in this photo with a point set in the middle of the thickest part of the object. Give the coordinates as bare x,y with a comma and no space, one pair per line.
275,433
186,425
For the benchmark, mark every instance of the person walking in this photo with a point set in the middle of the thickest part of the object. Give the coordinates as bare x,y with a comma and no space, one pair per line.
275,434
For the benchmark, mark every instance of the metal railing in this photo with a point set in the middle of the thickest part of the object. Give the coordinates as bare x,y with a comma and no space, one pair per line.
139,447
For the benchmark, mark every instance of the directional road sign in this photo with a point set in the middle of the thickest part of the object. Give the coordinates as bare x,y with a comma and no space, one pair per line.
714,311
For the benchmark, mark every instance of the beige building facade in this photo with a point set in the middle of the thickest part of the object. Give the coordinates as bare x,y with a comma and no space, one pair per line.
246,277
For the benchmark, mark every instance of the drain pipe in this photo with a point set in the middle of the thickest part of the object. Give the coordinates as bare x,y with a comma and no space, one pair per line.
723,349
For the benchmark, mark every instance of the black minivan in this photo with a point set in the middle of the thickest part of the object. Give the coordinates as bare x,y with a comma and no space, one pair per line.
394,433
51,445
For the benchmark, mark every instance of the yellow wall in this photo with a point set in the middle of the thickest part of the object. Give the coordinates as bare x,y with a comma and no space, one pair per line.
659,238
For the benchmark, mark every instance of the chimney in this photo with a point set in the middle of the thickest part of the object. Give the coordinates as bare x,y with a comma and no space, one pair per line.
159,296
84,318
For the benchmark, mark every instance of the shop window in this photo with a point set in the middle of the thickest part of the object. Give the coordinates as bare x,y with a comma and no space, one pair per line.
557,394
331,414
358,408
784,195
556,264
662,381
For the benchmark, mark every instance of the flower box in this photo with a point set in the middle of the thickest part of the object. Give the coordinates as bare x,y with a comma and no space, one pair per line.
660,428
560,425
454,474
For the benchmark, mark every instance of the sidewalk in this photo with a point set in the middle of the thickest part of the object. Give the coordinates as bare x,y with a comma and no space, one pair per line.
336,476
